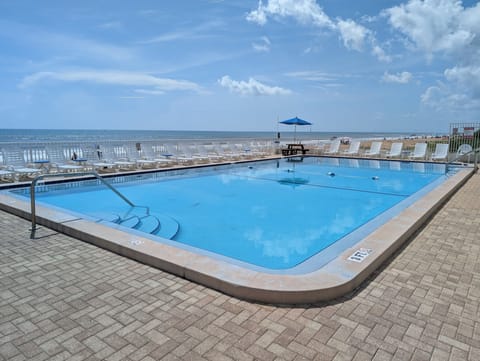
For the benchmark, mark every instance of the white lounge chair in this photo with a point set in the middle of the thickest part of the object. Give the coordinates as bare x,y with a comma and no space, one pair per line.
67,159
141,155
334,147
208,150
145,163
173,154
122,158
104,163
375,148
441,151
353,149
259,149
244,151
227,152
190,154
464,149
160,154
36,157
419,151
395,150
14,161
26,173
7,175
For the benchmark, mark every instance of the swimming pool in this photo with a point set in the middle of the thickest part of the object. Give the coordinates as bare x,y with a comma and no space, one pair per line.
280,217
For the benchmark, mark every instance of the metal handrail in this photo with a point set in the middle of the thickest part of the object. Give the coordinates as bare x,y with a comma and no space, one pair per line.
475,163
79,174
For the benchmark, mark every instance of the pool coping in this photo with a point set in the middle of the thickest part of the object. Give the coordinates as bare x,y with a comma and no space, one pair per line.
337,278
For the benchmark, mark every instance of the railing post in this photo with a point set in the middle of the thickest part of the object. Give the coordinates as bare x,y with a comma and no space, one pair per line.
32,208
475,163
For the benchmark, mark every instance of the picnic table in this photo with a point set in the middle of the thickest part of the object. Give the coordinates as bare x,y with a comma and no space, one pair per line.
294,149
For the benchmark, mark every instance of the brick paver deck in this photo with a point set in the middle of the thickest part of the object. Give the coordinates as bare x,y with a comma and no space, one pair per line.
62,299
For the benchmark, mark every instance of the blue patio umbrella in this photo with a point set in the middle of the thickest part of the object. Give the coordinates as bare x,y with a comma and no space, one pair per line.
295,121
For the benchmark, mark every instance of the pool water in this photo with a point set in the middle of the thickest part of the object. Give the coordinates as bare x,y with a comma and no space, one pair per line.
271,214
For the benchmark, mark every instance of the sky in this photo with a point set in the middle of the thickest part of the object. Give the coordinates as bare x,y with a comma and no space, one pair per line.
241,65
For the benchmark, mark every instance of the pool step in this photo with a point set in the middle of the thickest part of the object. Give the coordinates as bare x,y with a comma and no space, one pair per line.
131,222
156,224
148,224
107,217
169,227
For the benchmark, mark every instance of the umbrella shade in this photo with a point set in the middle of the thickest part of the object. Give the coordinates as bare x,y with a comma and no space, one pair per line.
293,182
295,121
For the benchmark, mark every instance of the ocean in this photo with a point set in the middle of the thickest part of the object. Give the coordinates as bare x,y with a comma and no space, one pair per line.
84,135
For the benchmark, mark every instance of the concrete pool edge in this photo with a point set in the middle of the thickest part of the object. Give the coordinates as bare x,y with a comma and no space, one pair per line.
331,281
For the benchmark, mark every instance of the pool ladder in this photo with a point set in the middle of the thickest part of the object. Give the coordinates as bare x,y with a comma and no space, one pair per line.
66,175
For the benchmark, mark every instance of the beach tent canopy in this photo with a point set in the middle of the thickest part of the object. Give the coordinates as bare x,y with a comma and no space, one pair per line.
295,121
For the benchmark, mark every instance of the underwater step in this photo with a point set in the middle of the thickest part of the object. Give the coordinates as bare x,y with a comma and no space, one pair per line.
131,222
149,224
157,224
169,227
106,217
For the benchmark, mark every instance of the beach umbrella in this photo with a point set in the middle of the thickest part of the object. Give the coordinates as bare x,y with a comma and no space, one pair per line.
295,121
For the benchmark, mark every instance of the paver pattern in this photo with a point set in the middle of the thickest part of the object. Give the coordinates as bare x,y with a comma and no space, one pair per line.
62,299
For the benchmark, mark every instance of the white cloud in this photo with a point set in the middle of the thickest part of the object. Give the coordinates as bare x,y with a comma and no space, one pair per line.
461,91
469,18
251,87
436,25
447,28
149,92
308,12
263,45
467,77
380,54
352,34
167,37
112,78
198,32
400,78
304,11
65,46
258,16
320,79
356,37
442,98
131,97
432,95
313,75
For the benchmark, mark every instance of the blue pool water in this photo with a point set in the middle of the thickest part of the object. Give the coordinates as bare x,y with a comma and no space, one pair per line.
271,214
